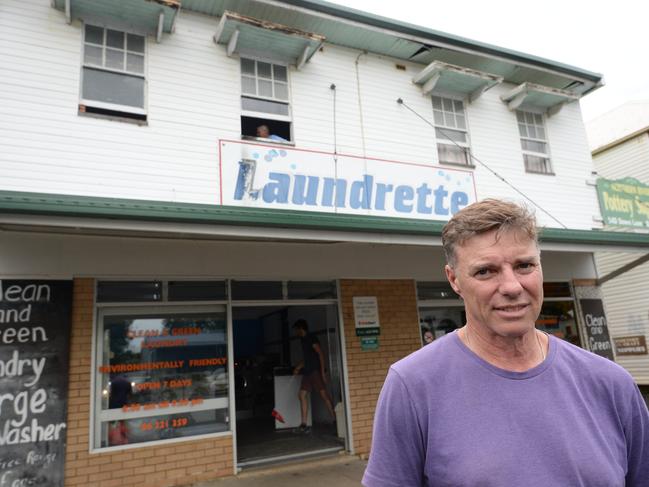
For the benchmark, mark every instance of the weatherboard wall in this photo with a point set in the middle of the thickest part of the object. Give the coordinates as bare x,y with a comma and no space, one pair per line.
626,296
193,99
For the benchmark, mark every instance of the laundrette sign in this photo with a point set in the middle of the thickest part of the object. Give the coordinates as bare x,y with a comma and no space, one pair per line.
261,176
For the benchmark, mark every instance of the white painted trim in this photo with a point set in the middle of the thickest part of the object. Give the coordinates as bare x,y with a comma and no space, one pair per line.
92,405
232,43
151,444
231,385
161,23
189,231
349,440
206,405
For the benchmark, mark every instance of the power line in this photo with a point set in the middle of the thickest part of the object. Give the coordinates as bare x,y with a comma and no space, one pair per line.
401,102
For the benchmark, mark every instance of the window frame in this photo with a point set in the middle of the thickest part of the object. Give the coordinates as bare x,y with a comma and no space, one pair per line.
439,140
123,109
526,152
266,115
99,416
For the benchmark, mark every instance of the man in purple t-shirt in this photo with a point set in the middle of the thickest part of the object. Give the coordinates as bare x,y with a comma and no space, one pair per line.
499,403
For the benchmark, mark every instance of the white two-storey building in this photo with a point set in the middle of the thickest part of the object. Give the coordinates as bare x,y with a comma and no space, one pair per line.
185,181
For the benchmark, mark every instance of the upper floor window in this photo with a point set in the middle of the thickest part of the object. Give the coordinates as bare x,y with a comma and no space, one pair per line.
534,142
451,131
265,109
113,78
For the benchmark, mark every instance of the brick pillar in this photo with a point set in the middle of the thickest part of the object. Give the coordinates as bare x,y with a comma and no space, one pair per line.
399,321
173,464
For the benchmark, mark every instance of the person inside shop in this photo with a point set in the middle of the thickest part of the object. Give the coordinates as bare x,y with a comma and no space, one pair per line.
428,337
313,371
264,132
497,402
119,391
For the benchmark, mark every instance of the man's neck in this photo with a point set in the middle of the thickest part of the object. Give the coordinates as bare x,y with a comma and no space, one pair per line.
516,354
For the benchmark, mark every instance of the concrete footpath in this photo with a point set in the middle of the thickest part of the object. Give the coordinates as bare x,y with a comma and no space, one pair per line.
339,471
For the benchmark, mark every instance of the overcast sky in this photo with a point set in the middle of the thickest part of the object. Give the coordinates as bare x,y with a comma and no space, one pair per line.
608,37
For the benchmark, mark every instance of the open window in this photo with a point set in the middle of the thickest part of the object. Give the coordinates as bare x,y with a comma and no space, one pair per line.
113,81
265,108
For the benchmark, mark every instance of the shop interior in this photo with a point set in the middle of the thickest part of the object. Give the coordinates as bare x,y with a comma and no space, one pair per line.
268,414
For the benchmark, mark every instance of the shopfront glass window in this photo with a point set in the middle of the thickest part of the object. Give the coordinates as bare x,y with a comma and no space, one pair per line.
161,374
558,318
437,322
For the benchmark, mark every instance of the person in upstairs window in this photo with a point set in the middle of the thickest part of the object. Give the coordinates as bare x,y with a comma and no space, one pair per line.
314,376
264,132
498,403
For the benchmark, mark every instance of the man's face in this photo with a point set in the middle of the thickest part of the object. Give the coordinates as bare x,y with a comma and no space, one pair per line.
501,282
262,131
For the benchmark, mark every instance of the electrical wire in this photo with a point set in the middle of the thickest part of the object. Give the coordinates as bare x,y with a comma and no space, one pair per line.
401,102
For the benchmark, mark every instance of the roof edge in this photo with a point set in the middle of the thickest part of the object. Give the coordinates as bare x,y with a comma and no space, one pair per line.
435,35
619,140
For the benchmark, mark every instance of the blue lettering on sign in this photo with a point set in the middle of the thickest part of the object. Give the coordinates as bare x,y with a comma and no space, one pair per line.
366,194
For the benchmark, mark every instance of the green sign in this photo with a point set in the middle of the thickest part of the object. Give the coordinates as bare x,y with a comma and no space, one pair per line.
624,202
370,343
368,331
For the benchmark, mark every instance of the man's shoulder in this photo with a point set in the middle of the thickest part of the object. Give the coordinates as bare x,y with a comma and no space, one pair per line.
583,362
428,359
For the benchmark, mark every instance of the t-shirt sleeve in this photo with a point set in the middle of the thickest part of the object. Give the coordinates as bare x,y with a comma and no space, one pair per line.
397,454
637,440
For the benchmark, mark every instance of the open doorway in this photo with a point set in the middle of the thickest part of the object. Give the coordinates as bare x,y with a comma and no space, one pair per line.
267,349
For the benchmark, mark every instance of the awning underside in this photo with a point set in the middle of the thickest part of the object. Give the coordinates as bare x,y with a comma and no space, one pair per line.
145,16
529,96
446,78
247,35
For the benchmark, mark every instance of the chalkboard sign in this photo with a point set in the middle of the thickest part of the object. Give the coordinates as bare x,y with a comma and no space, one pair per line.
597,336
34,353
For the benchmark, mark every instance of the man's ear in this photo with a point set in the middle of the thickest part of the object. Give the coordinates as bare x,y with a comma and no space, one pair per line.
452,279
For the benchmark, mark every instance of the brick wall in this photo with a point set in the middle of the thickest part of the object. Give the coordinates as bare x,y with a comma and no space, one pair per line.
399,336
173,464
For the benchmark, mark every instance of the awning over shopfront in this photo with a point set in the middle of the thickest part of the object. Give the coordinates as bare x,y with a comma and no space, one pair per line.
148,17
247,35
449,79
111,216
530,96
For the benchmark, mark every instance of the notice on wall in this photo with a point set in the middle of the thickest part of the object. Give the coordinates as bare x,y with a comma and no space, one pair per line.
366,315
597,335
631,345
34,351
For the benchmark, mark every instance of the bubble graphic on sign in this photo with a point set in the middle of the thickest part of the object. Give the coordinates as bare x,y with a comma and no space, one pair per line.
293,166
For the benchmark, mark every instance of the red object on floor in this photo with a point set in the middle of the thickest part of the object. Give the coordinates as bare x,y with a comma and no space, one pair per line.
277,416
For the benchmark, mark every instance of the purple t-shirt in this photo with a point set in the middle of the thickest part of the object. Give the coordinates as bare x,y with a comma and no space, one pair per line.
445,417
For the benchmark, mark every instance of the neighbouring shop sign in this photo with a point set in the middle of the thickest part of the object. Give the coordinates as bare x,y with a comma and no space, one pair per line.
597,335
624,202
366,315
630,345
34,350
262,176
